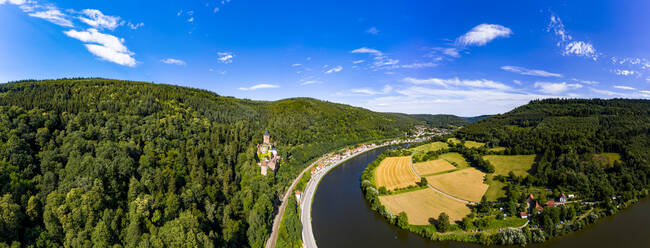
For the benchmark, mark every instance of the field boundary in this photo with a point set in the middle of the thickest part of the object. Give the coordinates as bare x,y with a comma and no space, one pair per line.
439,191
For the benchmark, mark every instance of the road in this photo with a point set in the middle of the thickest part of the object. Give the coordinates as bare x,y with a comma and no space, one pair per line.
270,243
443,193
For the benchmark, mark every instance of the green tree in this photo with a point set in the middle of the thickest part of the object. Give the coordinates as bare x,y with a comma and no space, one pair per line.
402,220
442,224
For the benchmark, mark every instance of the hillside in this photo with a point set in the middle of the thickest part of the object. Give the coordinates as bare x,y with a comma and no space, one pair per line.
566,135
105,162
443,121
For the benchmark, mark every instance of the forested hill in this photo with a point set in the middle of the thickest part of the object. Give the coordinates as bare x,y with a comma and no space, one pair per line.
97,162
565,134
443,121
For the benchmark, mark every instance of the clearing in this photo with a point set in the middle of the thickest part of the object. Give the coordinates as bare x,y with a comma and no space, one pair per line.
497,149
466,184
435,146
433,166
455,158
473,144
422,205
504,164
608,157
395,173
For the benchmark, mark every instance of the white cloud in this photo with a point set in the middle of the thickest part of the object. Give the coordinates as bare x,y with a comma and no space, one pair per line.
555,88
621,87
106,46
517,82
260,86
580,48
335,69
419,65
453,52
136,26
53,15
482,34
645,91
215,10
15,2
358,61
311,82
191,19
97,19
296,65
172,61
625,72
368,51
530,72
589,82
566,42
480,83
367,91
225,57
373,31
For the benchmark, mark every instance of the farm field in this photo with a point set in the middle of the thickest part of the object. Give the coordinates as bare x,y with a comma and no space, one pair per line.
394,173
473,144
435,146
453,140
466,184
433,166
495,191
608,157
497,149
421,205
518,164
456,158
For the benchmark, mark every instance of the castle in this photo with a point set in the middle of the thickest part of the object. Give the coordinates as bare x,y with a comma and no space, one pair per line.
268,155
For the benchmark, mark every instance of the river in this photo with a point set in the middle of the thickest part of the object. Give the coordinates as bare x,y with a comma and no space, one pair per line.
341,217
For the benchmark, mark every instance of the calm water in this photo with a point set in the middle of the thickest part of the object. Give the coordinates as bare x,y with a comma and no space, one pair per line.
342,218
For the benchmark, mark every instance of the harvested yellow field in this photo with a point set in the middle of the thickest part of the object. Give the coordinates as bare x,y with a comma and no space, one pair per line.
421,205
497,149
504,164
608,157
466,184
433,166
395,173
453,140
435,146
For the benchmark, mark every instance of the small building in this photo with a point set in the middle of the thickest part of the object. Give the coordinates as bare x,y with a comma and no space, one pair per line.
267,137
550,203
523,215
562,198
264,169
538,207
297,193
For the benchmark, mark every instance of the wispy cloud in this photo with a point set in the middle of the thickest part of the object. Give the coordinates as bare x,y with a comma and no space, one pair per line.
419,65
358,61
370,92
311,82
53,15
225,57
622,87
296,65
104,46
479,83
556,88
135,26
566,42
381,61
97,19
333,70
530,72
373,31
625,72
367,50
482,34
172,61
260,86
589,82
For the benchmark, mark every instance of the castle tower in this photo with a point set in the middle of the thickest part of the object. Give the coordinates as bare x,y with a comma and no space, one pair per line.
267,137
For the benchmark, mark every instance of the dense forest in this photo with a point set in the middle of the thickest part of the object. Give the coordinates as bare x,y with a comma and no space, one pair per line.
566,134
107,163
442,121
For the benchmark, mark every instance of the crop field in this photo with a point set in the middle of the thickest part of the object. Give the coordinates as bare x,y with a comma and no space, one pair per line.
496,189
395,173
473,144
456,158
466,184
497,149
421,205
518,164
435,146
608,157
453,140
433,166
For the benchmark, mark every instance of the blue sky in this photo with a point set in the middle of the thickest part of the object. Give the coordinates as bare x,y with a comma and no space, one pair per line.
457,57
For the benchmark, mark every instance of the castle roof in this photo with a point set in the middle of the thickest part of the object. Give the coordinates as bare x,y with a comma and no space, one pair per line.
266,133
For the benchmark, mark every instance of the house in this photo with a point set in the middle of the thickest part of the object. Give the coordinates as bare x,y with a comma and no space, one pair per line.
562,198
264,169
523,215
571,196
550,203
267,138
538,208
297,193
